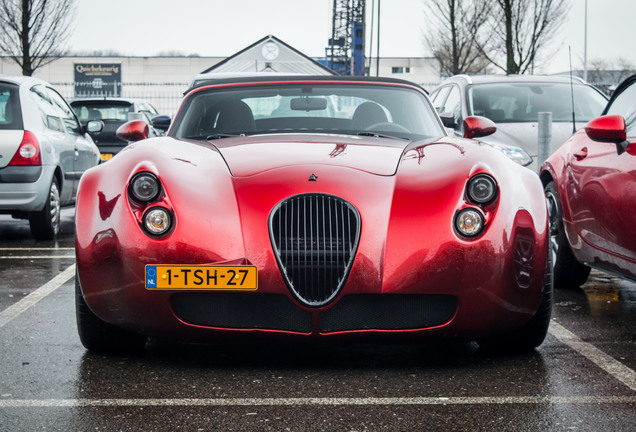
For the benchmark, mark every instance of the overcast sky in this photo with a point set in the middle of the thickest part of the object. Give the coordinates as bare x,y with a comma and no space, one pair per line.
223,27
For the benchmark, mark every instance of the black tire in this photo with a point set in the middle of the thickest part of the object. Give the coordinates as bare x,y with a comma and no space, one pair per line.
45,224
99,336
568,272
531,334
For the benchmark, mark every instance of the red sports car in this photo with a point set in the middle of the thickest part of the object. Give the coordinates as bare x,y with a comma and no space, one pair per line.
590,186
315,207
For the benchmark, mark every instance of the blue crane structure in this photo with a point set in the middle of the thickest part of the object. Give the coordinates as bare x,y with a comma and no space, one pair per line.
345,52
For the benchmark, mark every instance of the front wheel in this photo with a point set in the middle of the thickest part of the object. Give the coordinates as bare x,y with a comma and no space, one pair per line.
45,224
532,333
568,272
99,336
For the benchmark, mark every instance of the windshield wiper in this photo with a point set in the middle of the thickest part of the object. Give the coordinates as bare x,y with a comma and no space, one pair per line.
222,135
379,135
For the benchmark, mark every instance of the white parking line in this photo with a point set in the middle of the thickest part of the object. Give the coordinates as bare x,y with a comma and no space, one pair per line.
38,249
609,364
16,309
12,403
36,257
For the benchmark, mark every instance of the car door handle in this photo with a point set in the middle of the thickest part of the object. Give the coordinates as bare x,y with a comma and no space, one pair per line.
581,154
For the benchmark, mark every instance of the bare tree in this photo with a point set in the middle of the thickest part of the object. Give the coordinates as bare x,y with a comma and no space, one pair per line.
520,29
33,32
454,32
604,73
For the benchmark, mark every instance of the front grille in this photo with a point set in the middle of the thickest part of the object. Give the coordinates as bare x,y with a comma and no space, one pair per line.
241,311
388,312
315,237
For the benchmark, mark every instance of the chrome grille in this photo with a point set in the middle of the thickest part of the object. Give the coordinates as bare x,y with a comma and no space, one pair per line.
315,237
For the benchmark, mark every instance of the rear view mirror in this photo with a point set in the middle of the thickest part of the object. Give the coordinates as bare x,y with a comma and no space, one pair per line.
94,126
609,128
308,104
478,126
135,130
448,120
161,122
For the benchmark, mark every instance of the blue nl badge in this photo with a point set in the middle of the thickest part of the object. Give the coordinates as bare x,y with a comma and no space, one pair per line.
151,276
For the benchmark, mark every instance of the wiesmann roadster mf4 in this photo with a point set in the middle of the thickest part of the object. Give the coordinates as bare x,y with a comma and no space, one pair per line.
314,207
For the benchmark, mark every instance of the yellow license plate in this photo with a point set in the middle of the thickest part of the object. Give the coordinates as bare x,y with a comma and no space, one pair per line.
202,277
107,156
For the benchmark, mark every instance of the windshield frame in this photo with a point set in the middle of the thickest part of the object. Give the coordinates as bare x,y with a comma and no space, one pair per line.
332,120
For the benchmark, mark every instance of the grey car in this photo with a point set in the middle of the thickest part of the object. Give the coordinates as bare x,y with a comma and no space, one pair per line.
44,150
513,103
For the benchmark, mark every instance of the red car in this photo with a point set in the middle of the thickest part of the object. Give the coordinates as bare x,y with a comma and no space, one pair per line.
315,207
590,186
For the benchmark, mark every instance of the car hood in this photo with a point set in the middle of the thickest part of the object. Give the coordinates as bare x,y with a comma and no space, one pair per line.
248,156
526,135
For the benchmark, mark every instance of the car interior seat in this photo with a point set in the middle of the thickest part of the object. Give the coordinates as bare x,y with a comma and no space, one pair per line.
495,115
94,114
235,117
367,114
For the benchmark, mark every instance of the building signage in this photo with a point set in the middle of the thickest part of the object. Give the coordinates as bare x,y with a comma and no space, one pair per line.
97,79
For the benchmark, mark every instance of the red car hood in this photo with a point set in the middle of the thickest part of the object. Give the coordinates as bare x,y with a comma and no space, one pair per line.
248,156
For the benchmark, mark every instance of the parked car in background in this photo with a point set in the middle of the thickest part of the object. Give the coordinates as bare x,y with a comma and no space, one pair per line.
513,103
44,151
114,112
349,213
590,186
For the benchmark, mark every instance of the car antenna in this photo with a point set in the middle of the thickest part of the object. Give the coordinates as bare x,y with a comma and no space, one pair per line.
572,91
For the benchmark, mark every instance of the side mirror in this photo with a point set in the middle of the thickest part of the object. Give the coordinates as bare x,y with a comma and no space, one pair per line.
94,126
135,130
448,120
161,122
610,129
478,126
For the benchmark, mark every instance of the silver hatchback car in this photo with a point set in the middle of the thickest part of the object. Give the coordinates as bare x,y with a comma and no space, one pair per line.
44,150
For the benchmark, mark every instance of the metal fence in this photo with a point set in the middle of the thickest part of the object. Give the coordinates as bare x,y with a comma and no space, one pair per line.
166,97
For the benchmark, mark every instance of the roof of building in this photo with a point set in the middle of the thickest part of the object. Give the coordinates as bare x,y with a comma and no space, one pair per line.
270,54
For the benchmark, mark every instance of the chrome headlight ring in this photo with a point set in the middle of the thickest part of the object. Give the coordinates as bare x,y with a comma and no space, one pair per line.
482,189
144,187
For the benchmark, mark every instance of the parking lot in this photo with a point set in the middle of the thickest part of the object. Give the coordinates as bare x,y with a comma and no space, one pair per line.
581,379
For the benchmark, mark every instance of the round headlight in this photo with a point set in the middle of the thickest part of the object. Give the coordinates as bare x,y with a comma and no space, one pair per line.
482,189
144,187
469,222
157,220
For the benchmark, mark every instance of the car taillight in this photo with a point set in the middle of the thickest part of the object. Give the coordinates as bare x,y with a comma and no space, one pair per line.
29,151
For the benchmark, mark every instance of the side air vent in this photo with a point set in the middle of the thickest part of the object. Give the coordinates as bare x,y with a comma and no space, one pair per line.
315,237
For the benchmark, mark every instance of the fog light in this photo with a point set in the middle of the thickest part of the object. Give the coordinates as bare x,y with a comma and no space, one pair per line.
157,220
144,187
469,222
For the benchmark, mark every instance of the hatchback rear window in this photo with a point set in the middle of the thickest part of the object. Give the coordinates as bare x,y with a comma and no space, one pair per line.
107,111
10,113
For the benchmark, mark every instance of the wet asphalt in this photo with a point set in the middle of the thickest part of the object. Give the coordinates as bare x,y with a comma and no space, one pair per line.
581,379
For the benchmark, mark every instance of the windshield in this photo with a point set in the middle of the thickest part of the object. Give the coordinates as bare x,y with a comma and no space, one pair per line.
521,102
300,107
